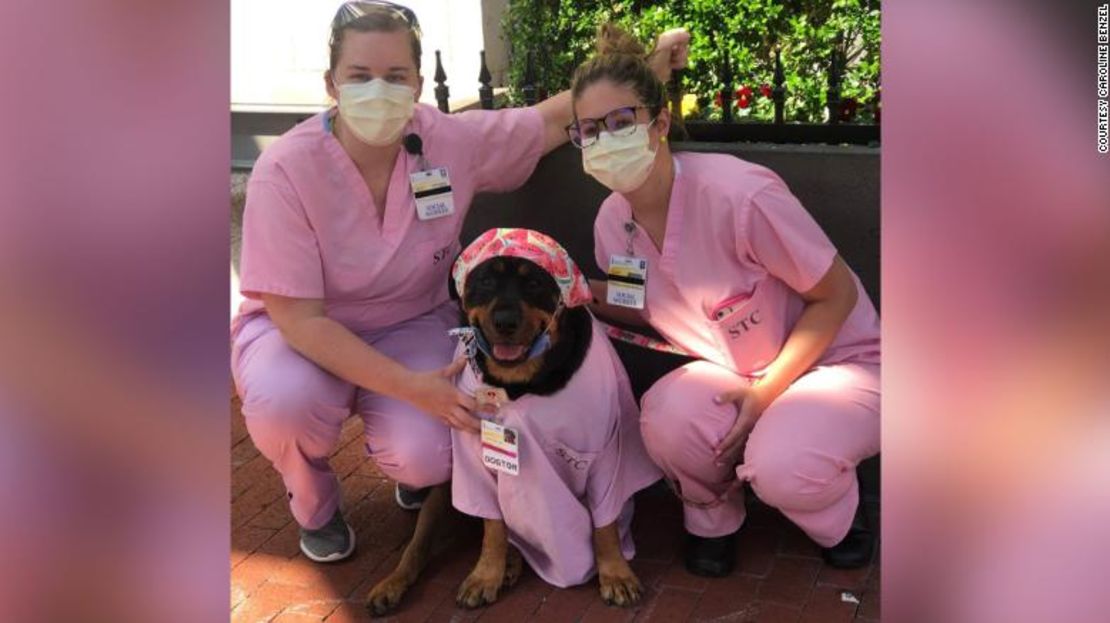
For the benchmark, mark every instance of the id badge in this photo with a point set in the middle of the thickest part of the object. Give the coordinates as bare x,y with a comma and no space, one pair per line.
432,191
490,399
500,448
627,281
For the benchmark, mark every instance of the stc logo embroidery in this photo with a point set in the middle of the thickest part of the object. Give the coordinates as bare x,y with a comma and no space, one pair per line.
745,324
440,255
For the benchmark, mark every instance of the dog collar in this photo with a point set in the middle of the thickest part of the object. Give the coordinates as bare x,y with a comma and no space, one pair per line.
474,341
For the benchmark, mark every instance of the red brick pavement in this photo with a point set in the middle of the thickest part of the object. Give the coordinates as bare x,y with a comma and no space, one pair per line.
779,577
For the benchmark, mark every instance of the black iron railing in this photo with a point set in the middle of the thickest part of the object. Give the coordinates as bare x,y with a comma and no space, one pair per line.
835,131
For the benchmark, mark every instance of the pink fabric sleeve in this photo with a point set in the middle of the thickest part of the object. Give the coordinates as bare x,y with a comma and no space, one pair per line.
473,487
776,232
604,488
507,145
279,253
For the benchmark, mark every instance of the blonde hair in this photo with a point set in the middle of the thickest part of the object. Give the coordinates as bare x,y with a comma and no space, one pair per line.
382,20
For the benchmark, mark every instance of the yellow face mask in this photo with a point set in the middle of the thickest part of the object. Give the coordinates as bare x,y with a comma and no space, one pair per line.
376,111
621,163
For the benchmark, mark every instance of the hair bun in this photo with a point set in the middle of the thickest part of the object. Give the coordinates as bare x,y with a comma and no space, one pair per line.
612,39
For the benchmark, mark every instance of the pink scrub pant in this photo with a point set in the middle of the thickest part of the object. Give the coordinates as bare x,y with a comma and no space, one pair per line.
294,410
800,457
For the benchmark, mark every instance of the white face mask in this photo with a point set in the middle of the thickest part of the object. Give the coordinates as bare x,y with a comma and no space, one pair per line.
621,163
376,111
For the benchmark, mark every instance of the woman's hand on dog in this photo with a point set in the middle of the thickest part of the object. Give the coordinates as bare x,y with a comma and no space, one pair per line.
435,393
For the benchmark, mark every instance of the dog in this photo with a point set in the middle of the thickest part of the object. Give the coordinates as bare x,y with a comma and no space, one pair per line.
534,348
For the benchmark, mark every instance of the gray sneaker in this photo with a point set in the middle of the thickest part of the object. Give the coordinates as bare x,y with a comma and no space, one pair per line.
333,541
410,499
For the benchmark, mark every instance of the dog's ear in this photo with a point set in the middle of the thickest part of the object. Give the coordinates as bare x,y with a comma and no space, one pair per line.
451,291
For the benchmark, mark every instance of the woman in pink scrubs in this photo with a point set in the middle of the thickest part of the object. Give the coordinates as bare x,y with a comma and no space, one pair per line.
716,255
351,222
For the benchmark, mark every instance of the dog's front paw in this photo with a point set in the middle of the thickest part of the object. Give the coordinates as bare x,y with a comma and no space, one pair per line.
385,596
480,588
620,587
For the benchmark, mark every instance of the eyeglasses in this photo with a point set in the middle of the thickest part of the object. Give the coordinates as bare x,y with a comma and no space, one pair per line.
618,122
350,11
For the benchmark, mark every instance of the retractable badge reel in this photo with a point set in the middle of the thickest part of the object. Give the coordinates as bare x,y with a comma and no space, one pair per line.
627,275
431,187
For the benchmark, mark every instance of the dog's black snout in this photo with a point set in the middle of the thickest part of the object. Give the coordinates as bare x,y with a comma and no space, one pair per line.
506,320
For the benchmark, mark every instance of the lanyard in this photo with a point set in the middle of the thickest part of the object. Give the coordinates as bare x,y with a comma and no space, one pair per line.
630,229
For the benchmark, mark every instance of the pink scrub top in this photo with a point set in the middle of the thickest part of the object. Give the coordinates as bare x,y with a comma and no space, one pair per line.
311,230
581,460
737,250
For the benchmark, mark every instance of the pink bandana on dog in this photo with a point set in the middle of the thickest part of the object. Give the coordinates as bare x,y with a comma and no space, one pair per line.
530,245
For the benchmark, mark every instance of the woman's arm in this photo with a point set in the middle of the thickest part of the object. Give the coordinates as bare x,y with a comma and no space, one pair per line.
670,52
828,305
333,347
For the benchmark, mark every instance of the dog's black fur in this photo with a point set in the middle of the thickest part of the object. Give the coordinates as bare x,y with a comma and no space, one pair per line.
498,283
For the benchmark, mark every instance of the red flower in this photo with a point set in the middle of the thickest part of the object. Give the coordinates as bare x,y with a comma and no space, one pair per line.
765,90
744,96
719,99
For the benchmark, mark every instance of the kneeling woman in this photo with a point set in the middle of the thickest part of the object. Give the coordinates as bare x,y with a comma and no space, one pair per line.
785,394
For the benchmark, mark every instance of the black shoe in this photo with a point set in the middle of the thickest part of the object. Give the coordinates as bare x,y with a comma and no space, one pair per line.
856,548
410,499
711,557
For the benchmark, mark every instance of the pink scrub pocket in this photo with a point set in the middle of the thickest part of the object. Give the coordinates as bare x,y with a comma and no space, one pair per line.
750,328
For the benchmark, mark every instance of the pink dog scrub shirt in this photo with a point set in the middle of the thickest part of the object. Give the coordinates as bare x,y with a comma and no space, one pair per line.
581,459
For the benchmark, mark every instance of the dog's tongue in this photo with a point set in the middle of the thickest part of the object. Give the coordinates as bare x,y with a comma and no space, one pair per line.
507,352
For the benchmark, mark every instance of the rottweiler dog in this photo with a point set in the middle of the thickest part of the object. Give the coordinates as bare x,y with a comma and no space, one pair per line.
532,345
512,302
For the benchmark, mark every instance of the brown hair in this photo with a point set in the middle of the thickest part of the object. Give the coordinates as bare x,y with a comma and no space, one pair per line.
374,21
621,59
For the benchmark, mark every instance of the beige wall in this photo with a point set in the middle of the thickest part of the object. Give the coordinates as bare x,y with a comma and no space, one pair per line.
497,48
279,48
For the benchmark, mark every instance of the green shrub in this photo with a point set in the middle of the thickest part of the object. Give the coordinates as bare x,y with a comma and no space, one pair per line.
560,35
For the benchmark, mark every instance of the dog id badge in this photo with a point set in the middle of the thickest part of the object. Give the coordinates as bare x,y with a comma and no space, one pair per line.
432,191
627,281
500,448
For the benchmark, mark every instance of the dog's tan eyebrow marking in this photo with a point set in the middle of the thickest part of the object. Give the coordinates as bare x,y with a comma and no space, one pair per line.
498,266
523,270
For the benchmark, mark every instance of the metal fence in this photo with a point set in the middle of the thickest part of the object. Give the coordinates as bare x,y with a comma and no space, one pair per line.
834,131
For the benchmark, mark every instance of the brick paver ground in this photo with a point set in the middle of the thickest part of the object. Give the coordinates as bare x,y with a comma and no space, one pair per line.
779,576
